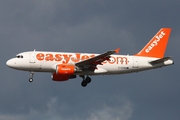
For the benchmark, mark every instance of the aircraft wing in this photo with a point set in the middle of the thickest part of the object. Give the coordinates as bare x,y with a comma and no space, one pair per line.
92,62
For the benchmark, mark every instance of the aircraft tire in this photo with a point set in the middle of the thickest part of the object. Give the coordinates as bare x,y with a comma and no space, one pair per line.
84,83
88,80
30,79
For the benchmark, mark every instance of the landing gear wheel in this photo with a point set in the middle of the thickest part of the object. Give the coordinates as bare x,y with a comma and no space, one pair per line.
84,83
88,79
30,79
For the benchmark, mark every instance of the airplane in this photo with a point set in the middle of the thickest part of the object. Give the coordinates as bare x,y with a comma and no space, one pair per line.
64,65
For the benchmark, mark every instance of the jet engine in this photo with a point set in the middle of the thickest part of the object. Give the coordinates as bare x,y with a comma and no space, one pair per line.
64,72
65,69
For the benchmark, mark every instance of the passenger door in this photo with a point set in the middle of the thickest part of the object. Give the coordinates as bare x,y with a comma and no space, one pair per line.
32,57
135,62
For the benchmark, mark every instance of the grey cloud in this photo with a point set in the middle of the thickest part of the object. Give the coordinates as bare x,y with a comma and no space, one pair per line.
88,26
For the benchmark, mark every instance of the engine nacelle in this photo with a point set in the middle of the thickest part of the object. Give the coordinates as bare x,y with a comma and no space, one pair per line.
65,69
64,72
56,77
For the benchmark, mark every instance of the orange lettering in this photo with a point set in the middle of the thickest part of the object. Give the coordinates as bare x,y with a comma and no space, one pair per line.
92,56
66,58
122,60
40,56
112,60
77,58
58,57
49,57
84,57
104,62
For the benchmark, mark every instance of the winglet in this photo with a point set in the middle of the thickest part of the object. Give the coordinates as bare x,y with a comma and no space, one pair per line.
117,50
156,47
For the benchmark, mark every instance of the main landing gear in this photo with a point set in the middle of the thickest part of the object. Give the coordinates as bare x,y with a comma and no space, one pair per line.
85,81
31,78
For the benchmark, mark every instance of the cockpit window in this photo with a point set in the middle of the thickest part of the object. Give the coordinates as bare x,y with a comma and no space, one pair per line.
19,56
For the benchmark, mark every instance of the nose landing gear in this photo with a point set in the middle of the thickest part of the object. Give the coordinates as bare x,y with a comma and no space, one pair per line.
31,78
85,81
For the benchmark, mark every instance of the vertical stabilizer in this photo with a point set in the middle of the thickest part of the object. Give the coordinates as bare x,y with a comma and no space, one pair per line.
156,47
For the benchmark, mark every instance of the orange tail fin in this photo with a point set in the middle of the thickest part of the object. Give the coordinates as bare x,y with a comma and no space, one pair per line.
156,47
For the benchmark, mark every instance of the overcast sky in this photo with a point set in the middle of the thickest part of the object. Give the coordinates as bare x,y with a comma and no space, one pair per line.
94,26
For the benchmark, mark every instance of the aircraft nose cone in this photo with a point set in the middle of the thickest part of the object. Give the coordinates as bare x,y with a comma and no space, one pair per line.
9,63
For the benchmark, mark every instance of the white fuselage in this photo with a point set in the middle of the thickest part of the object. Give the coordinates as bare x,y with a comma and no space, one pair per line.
40,61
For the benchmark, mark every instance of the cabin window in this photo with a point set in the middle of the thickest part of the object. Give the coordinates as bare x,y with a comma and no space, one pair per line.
19,56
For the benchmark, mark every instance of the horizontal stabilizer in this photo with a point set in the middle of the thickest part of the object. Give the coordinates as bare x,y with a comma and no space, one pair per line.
162,60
